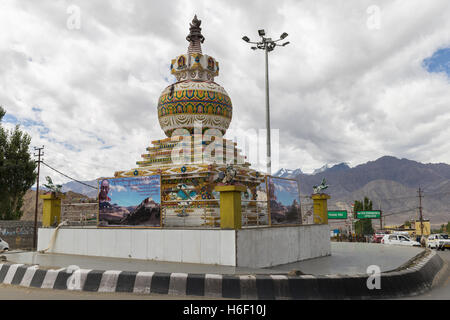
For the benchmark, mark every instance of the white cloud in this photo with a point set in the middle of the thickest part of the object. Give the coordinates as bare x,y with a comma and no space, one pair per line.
118,188
340,92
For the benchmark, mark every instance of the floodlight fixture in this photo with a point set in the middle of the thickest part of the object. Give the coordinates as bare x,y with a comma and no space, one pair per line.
261,32
284,35
246,39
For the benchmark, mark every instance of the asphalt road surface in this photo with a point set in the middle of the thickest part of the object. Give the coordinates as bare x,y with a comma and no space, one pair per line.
10,292
441,292
345,258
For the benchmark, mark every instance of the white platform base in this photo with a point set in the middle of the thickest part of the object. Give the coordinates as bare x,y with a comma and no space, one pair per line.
253,248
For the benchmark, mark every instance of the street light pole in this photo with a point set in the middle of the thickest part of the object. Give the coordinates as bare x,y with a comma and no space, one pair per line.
269,158
267,44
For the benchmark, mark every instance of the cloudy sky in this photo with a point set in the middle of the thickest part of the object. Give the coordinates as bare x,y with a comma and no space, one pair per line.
359,79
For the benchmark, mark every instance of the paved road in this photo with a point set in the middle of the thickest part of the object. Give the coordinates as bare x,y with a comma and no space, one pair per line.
441,292
354,258
9,292
346,258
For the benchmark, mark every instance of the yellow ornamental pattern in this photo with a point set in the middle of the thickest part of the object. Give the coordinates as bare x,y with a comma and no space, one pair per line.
195,102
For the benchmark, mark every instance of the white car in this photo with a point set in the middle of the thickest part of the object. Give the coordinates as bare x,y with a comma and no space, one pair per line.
399,239
3,245
438,241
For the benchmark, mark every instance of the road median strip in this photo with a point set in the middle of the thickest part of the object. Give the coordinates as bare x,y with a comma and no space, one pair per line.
412,278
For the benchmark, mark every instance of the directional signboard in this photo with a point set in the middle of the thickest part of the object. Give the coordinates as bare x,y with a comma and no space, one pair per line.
337,214
372,214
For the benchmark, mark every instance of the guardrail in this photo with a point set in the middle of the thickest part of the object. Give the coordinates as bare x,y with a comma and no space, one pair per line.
192,213
79,214
255,213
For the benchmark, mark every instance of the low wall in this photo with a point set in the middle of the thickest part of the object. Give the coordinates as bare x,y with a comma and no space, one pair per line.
189,246
252,247
266,247
18,234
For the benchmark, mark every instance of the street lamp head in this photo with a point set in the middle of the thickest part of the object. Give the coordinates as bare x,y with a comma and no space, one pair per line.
286,43
254,48
284,35
245,38
261,32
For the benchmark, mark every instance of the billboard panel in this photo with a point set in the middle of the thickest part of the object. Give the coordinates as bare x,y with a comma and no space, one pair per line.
284,201
130,202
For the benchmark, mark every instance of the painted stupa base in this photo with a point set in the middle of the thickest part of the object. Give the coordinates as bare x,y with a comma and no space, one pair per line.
189,199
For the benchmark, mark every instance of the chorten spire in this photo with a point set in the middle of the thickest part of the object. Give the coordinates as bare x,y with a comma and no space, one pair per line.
195,36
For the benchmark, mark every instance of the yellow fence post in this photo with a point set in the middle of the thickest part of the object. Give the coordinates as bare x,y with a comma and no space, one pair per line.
320,208
230,206
51,209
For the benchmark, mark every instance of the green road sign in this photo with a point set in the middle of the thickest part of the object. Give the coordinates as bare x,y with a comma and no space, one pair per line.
337,214
373,214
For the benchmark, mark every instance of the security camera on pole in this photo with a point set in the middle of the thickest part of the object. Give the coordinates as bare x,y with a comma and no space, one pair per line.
267,44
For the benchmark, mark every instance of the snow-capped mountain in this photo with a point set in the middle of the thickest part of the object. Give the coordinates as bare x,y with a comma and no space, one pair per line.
322,169
329,168
287,173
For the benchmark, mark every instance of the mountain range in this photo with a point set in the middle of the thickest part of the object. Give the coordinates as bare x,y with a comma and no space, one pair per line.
391,183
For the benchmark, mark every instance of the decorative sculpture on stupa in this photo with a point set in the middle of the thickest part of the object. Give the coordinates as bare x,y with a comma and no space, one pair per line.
195,96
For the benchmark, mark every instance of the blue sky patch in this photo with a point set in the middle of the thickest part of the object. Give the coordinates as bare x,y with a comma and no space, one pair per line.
8,118
438,62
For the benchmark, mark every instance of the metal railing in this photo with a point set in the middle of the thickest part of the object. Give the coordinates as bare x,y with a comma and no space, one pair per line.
193,213
255,213
79,214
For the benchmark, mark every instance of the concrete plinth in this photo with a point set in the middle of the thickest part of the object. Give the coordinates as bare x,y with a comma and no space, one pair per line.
51,209
320,208
250,247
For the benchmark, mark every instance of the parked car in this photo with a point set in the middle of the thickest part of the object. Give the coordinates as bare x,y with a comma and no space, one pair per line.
3,245
398,239
377,237
438,241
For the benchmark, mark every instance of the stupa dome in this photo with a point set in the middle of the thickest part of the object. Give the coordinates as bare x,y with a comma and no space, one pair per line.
194,97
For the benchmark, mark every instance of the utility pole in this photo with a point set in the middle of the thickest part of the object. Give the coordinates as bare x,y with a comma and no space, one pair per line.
40,153
381,219
420,213
381,216
351,219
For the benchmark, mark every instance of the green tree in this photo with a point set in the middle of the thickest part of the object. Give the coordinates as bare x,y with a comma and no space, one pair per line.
407,224
16,170
448,227
363,226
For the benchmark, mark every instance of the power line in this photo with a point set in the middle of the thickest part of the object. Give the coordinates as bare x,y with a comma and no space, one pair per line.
65,175
435,194
399,212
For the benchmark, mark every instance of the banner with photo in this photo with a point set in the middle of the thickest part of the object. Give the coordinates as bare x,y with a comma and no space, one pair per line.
130,202
284,201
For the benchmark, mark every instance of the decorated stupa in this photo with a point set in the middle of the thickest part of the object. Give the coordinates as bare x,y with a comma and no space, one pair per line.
195,107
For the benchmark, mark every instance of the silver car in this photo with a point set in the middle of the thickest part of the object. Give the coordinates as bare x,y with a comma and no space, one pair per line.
398,239
3,245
